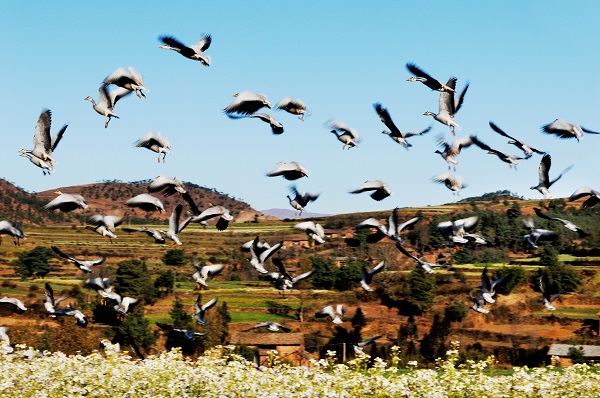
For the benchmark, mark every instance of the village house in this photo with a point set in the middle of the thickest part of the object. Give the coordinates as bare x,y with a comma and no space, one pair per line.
289,346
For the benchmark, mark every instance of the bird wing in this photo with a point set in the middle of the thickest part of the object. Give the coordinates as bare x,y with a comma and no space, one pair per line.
41,136
407,224
372,223
543,215
212,269
582,192
303,276
209,305
368,186
589,131
377,269
339,309
461,98
279,265
560,128
56,139
203,44
119,77
306,226
368,341
264,256
480,143
560,175
467,223
413,134
174,219
501,132
60,253
327,311
405,252
147,140
49,293
387,119
175,43
429,81
115,95
543,170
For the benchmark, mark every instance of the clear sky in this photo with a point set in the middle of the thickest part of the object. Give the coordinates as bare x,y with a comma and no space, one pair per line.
529,62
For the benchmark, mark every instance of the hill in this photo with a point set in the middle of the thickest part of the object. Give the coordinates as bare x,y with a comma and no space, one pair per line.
108,197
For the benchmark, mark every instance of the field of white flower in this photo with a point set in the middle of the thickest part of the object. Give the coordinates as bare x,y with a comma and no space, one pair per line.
221,373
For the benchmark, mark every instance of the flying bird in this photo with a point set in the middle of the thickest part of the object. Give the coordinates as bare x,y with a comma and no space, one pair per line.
123,303
66,202
260,255
335,315
594,196
392,230
450,151
449,106
367,275
109,222
300,200
488,286
428,267
167,185
313,230
13,230
536,234
14,301
565,130
131,80
455,230
567,224
290,171
103,231
46,167
380,189
545,183
276,127
195,51
293,106
83,265
223,214
146,202
156,143
527,150
189,335
107,102
200,310
247,103
453,183
547,297
43,144
153,233
203,272
78,315
51,303
271,327
395,132
426,79
346,135
358,347
511,160
283,280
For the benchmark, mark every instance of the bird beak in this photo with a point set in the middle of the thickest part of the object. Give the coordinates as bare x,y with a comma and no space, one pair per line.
164,46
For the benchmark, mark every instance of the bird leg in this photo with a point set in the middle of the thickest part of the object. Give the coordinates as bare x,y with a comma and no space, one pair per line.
164,156
106,122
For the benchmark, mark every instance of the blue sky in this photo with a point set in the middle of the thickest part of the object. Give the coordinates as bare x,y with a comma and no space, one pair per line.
528,63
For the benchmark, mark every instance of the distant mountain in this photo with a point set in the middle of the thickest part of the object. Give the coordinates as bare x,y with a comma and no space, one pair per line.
108,197
282,214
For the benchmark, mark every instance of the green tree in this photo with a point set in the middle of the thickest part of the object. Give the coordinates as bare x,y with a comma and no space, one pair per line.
33,263
512,277
422,289
181,319
217,329
455,311
136,327
133,279
165,282
174,257
549,256
324,276
577,354
347,276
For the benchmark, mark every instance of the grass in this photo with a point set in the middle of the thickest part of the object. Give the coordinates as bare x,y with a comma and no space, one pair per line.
237,316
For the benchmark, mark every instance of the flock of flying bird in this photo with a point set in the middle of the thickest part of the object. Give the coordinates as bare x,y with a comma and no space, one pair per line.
246,104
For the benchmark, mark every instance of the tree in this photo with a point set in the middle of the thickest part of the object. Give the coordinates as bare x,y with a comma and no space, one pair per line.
347,277
324,276
174,257
358,322
133,279
549,256
181,319
577,354
33,263
455,311
135,327
512,277
422,289
217,329
165,282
